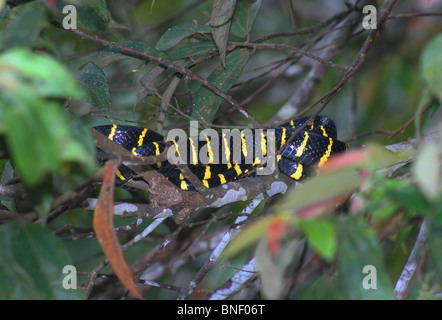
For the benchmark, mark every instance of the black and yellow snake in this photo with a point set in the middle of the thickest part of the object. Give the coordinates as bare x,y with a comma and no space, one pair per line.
311,148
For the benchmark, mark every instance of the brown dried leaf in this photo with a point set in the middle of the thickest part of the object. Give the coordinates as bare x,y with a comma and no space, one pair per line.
104,229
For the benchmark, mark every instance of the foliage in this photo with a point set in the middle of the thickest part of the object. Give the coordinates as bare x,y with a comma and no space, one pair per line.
223,63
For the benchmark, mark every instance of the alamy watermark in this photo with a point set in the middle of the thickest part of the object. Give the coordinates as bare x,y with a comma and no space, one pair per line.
370,280
70,20
370,20
70,280
248,146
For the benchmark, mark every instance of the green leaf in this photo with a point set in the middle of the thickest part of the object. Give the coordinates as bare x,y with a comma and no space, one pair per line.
244,17
95,81
27,135
313,191
206,102
40,128
176,34
8,173
221,19
361,272
25,28
359,248
46,76
317,190
165,101
31,264
106,60
431,64
148,82
434,244
192,50
427,170
406,195
101,9
137,45
36,129
323,187
322,236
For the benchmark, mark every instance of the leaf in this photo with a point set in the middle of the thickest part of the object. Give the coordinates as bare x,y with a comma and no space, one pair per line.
106,60
359,248
192,50
25,29
205,101
431,64
105,230
8,173
46,76
359,263
324,187
318,195
27,135
31,264
37,125
313,191
137,45
165,101
271,273
148,82
176,34
427,172
101,9
339,177
244,17
275,231
95,81
40,128
221,19
322,236
434,244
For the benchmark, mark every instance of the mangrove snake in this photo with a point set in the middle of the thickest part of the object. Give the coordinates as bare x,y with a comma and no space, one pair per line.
239,155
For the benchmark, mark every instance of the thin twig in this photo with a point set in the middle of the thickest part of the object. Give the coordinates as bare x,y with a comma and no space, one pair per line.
276,46
415,260
237,282
401,129
225,240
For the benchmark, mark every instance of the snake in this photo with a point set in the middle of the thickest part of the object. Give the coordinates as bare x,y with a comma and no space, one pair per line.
220,158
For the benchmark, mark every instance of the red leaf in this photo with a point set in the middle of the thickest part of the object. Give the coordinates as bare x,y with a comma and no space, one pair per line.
52,4
275,231
319,208
104,229
343,160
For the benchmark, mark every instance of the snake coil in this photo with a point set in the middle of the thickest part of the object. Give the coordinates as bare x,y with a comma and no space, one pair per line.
310,149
